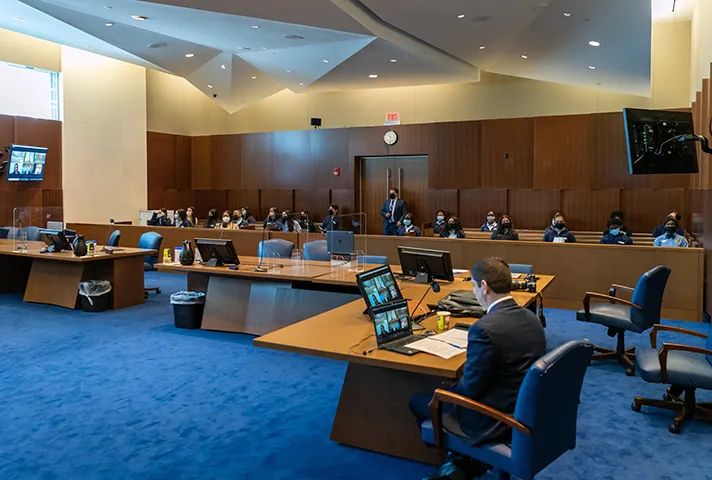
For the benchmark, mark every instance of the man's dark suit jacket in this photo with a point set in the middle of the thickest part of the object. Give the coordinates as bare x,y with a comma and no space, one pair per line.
501,347
399,212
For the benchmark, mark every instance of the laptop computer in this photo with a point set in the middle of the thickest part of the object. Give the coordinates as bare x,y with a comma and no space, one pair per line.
340,242
378,286
394,329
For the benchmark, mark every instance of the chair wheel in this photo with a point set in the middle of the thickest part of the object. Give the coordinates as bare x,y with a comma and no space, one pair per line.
158,291
630,372
635,407
674,428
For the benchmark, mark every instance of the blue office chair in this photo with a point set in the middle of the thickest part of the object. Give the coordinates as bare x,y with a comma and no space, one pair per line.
619,315
4,232
684,368
150,241
373,259
11,232
276,246
544,420
114,239
316,250
521,268
33,233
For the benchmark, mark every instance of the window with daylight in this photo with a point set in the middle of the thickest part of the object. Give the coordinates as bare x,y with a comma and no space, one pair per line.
29,92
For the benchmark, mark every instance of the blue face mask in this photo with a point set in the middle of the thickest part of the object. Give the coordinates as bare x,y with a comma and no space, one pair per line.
615,231
407,222
440,218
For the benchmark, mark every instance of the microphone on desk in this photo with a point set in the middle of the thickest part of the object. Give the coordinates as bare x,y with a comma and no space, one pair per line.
435,286
259,267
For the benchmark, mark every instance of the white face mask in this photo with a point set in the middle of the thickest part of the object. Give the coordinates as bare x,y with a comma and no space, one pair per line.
226,219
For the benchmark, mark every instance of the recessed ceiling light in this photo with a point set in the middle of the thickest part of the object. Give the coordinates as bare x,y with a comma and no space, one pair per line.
288,71
594,43
223,67
139,17
482,47
373,76
263,48
525,57
254,77
18,19
109,24
189,55
591,67
462,15
210,86
393,60
255,26
301,84
325,60
567,14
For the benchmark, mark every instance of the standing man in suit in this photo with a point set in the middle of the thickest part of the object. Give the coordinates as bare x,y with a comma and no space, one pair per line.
501,347
393,212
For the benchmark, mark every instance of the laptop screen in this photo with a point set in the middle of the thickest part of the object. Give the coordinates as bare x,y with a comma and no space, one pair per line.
392,321
378,286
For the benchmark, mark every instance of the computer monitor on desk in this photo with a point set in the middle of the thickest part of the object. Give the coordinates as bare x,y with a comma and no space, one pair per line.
217,252
426,265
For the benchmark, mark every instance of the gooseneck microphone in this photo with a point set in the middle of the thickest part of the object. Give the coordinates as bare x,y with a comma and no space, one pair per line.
435,287
259,268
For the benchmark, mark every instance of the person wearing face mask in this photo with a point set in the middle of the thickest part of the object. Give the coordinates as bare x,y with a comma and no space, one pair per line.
408,228
501,347
671,238
212,220
453,230
181,219
226,223
393,212
660,229
237,220
558,230
306,222
491,224
332,221
505,230
287,223
618,215
271,222
160,219
190,215
614,235
439,224
247,215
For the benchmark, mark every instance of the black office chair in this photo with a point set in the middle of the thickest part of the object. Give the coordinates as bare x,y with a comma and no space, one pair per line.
114,239
150,241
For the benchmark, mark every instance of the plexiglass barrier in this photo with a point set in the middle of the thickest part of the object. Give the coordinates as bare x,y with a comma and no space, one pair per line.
28,222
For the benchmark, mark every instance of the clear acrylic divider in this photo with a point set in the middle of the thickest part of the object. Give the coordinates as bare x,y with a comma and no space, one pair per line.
27,222
297,259
274,264
358,262
339,267
356,223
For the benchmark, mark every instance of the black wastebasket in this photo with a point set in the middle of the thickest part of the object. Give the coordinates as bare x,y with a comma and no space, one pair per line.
95,295
188,309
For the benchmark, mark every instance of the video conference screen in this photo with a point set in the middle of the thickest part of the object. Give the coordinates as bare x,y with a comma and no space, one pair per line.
378,286
26,164
392,321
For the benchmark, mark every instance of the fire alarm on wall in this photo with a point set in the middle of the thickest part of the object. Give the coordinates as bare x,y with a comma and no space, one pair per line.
337,172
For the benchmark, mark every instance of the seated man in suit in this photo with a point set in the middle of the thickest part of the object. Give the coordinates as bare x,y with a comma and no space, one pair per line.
501,347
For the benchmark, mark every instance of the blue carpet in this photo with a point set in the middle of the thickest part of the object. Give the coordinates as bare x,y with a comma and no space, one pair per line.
126,395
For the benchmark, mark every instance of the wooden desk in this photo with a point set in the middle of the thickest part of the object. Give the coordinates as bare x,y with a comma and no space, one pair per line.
256,303
373,409
53,278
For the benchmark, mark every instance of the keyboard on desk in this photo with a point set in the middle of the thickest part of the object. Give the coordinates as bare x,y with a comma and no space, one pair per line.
399,346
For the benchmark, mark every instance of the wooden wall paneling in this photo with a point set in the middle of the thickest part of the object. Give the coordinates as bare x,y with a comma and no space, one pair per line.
205,200
647,208
283,199
226,164
329,149
474,205
441,200
257,161
563,151
251,200
7,131
52,206
513,138
154,199
610,155
589,210
454,155
173,200
183,149
161,161
292,165
316,202
533,209
200,163
344,198
699,179
368,142
701,128
693,217
43,133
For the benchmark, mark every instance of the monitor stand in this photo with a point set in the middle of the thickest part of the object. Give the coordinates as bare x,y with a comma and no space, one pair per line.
213,262
423,278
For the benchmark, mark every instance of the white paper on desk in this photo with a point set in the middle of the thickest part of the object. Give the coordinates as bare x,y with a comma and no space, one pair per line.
434,347
560,240
458,271
456,337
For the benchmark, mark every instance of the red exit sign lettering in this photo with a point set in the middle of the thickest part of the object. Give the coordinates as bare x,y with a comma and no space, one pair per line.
393,118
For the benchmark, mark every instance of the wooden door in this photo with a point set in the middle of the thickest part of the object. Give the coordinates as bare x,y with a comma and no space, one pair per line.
379,174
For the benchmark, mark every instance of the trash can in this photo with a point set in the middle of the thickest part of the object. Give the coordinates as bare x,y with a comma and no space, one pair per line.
94,295
188,309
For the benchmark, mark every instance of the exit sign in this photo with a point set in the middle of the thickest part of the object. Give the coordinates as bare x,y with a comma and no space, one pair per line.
393,118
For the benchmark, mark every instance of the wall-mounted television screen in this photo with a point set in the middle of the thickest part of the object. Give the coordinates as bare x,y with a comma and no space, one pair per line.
26,164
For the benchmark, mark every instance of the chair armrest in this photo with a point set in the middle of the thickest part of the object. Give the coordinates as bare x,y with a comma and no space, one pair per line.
657,327
668,347
443,396
615,287
589,295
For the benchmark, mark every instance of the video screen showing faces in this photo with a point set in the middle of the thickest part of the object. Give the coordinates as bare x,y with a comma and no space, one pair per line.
381,289
391,322
26,163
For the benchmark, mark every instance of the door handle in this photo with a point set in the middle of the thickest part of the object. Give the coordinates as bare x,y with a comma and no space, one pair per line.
388,181
400,174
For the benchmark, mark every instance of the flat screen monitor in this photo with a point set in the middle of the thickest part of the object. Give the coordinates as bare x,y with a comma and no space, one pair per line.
652,138
339,242
26,164
56,240
378,286
392,321
426,265
217,252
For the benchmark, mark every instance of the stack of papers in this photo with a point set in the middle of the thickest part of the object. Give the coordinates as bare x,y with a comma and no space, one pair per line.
445,345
